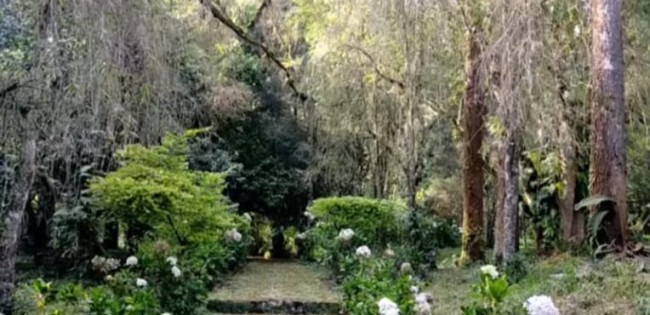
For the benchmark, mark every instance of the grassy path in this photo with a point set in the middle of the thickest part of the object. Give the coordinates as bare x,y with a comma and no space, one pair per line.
278,287
579,286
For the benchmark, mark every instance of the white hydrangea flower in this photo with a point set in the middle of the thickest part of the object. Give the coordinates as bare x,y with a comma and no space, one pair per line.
423,309
141,282
302,236
541,305
422,305
415,290
172,260
421,298
131,261
406,268
247,216
310,216
346,234
176,272
108,278
233,235
104,265
490,270
387,307
363,251
389,253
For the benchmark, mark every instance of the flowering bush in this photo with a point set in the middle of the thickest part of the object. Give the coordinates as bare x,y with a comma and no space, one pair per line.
540,305
489,292
74,299
375,222
373,287
103,265
363,251
180,287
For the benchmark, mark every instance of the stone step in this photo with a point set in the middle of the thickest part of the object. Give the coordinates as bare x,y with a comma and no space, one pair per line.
272,307
276,287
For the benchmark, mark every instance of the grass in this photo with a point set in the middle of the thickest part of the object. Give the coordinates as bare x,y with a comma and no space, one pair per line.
288,281
579,286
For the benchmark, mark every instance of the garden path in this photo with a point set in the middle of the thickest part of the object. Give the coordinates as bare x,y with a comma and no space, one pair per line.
276,287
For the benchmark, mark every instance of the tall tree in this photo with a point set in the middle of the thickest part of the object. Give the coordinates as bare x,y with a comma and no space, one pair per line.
13,218
608,150
473,117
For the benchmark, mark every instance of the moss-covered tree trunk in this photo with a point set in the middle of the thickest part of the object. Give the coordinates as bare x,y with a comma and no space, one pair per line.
500,199
12,221
473,116
608,151
572,221
512,150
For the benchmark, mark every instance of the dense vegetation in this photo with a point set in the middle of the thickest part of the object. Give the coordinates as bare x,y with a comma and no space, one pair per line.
149,148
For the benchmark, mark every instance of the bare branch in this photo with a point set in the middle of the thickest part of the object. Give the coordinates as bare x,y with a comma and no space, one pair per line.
391,80
225,20
258,14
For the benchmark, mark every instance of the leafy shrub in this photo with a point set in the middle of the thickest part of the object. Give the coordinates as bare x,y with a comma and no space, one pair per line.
376,222
516,269
155,191
41,298
291,240
542,187
369,281
424,234
179,288
77,229
489,294
263,234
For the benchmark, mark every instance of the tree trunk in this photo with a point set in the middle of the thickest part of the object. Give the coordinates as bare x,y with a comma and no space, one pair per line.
511,188
608,152
501,195
473,113
13,222
573,229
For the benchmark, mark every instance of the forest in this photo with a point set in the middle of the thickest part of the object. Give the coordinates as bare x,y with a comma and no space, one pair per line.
363,157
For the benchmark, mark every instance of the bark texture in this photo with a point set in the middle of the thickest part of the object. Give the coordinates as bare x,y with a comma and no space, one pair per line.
510,210
13,222
501,195
608,152
572,221
473,116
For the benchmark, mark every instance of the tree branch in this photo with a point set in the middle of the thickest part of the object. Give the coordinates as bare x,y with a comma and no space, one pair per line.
225,20
258,14
10,88
391,80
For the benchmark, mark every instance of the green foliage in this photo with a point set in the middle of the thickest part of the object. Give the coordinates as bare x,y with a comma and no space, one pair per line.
265,154
369,281
16,42
290,240
591,201
423,235
488,293
183,293
43,299
375,222
263,235
542,186
517,268
77,230
156,190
